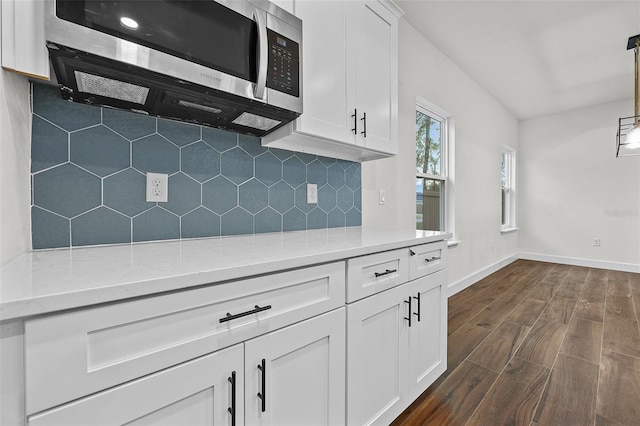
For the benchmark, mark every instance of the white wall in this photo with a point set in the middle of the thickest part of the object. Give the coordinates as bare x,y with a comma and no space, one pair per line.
574,189
15,148
482,126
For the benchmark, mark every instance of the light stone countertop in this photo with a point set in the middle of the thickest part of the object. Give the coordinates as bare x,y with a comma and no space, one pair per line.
52,280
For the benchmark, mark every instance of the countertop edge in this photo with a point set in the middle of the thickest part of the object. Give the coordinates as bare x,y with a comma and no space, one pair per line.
60,301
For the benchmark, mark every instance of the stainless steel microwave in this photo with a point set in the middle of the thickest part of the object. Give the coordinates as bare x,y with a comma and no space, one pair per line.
231,64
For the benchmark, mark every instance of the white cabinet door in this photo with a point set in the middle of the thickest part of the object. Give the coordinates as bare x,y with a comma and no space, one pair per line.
295,376
428,332
197,392
23,43
329,93
376,357
375,59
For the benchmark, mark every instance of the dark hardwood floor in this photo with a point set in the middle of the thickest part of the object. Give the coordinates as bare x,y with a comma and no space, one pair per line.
539,344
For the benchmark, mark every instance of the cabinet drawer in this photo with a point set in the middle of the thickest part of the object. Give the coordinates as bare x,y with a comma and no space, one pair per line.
73,354
377,272
427,258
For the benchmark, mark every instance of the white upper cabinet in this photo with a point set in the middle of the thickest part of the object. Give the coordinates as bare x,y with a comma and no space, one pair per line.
23,45
349,80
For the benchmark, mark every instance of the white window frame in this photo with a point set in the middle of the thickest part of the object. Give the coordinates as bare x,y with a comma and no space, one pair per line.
446,159
508,190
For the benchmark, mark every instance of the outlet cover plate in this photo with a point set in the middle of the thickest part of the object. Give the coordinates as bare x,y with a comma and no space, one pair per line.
157,187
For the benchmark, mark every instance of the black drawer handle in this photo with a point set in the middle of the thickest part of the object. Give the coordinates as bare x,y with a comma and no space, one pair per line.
432,259
418,300
230,317
387,272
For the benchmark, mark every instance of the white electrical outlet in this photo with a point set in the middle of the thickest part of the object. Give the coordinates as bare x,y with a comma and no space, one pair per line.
157,187
596,242
312,193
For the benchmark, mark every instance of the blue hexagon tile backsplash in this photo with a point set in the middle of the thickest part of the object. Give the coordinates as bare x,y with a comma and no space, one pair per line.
88,168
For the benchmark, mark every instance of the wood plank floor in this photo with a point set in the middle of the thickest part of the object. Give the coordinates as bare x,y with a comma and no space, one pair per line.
539,344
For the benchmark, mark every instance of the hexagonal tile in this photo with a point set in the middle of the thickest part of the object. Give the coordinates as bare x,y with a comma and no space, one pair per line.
344,198
184,194
317,219
268,220
49,145
357,199
281,197
253,196
326,160
100,150
155,154
126,192
219,139
294,172
219,195
268,168
236,222
327,198
178,132
156,224
49,230
353,176
100,226
282,154
301,199
336,176
344,163
294,220
200,161
337,218
48,104
354,217
128,124
306,158
200,223
236,165
66,190
317,173
251,144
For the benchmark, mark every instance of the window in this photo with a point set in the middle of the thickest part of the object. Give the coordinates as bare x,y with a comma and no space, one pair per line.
432,184
508,181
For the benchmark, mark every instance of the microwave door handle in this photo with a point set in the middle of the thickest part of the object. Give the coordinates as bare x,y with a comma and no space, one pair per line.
263,50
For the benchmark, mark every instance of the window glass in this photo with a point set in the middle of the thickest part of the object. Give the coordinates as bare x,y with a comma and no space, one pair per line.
428,144
430,204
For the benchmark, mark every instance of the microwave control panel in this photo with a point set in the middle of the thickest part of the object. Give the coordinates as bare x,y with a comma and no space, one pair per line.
283,73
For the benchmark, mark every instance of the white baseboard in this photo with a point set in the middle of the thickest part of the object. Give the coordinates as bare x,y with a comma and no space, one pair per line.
477,276
576,261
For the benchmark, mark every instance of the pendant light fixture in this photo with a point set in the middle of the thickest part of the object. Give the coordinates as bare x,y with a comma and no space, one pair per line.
628,137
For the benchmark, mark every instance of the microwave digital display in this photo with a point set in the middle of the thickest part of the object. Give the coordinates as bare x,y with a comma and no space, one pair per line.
284,64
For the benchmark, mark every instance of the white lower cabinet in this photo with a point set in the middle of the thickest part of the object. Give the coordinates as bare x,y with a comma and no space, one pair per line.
198,392
295,376
396,347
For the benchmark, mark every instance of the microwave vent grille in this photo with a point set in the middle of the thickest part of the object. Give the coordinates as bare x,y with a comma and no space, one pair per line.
255,121
110,88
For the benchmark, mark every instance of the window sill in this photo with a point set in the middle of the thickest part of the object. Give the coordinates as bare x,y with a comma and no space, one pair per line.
508,230
453,243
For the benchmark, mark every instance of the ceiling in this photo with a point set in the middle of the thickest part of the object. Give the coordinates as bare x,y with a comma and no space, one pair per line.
536,57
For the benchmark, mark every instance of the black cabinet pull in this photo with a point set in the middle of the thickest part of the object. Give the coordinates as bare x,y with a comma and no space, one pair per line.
257,309
355,122
412,253
432,259
418,313
364,120
232,409
387,272
408,318
263,395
